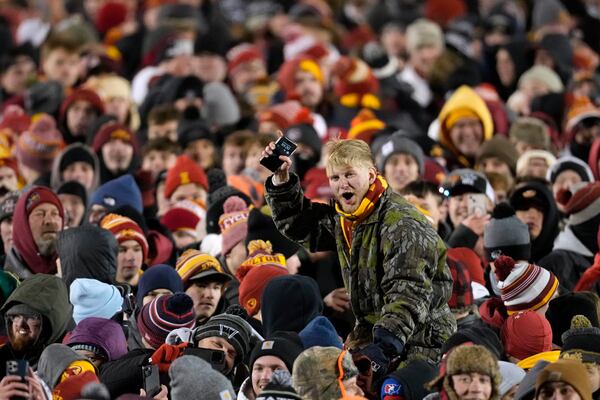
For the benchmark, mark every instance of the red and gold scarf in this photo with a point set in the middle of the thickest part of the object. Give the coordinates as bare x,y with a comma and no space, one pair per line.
366,207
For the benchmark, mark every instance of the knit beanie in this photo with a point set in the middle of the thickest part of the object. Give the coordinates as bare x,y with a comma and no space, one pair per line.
525,334
288,70
72,387
364,126
40,144
113,131
183,172
164,314
279,388
230,327
544,75
117,193
403,145
526,157
582,109
511,376
190,130
256,272
462,293
8,204
233,223
505,234
14,119
194,264
468,359
285,114
570,163
564,308
320,332
183,216
92,298
581,342
73,188
73,154
423,33
125,229
568,371
532,131
354,83
82,94
524,286
240,54
221,107
581,202
160,276
501,148
262,227
284,345
191,376
481,334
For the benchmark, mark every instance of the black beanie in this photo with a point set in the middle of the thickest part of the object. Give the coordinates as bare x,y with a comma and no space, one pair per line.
230,327
75,188
562,309
284,345
481,335
76,154
216,200
413,378
582,341
261,226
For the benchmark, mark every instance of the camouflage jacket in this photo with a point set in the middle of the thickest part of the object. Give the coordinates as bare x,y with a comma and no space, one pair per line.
395,272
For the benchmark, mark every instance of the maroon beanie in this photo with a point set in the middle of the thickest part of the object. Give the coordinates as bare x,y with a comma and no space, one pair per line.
525,334
82,94
113,131
40,145
163,315
581,202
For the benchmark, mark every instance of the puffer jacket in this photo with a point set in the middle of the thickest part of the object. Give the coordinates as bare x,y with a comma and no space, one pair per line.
395,272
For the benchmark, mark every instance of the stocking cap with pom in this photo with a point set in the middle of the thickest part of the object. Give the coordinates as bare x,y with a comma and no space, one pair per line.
582,341
233,223
524,286
506,235
256,272
183,172
164,314
40,144
364,126
581,202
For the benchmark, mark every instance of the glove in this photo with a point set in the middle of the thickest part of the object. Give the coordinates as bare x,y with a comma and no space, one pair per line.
166,354
392,389
379,361
365,374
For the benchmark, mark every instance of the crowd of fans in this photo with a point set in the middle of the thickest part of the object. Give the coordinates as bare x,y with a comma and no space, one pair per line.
145,251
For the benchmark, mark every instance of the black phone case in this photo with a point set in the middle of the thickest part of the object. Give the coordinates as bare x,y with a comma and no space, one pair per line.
151,380
283,147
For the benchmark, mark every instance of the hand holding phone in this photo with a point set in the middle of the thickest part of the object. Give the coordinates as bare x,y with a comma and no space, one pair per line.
477,204
283,148
14,385
151,377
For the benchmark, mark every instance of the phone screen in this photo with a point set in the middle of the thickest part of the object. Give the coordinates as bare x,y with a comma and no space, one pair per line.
477,204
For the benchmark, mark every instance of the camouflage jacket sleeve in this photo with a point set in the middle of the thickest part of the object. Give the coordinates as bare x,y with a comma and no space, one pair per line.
410,256
307,223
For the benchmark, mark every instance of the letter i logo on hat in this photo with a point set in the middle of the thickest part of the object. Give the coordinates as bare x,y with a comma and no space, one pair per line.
184,177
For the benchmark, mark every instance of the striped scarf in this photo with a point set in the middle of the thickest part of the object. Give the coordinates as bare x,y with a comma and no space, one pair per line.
366,207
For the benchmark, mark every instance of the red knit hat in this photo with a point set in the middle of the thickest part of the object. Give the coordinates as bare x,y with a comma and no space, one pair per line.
15,119
113,131
364,126
525,334
462,293
125,229
164,314
242,53
286,114
183,172
354,83
10,163
183,216
40,145
70,388
233,223
256,272
110,15
82,94
581,201
287,74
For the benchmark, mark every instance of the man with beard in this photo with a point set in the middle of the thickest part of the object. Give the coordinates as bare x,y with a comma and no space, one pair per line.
36,314
116,147
392,260
37,220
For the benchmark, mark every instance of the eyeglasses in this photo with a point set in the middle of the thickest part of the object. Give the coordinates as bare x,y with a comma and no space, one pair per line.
32,319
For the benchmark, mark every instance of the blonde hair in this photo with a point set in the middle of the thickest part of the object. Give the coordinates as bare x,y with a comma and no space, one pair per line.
353,152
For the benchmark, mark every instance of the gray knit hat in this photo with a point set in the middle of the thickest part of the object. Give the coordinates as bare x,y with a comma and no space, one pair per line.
399,144
532,131
192,376
230,327
506,235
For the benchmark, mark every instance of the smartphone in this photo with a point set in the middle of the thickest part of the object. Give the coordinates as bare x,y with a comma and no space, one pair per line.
215,358
283,147
151,380
477,204
19,368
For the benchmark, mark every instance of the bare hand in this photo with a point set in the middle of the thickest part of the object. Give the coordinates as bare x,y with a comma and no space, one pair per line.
476,223
162,395
35,388
293,264
11,386
338,300
282,175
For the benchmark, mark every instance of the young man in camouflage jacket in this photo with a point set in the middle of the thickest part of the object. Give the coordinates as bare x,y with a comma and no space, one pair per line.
393,262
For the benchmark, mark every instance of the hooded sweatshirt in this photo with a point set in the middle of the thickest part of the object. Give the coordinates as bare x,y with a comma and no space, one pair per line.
56,180
103,333
463,98
47,295
55,359
98,261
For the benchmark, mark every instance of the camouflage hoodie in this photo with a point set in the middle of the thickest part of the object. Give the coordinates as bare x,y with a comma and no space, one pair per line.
395,272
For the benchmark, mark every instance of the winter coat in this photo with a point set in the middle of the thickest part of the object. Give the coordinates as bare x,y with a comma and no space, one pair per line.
14,263
47,295
569,259
246,392
124,375
395,272
463,97
56,180
97,261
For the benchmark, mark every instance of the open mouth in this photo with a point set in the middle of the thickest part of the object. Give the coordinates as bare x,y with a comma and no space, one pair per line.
347,195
